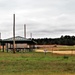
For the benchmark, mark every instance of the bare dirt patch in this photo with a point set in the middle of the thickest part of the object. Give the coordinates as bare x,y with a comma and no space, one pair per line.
57,52
57,49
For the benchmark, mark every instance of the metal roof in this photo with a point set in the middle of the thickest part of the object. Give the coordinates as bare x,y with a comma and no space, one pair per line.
19,39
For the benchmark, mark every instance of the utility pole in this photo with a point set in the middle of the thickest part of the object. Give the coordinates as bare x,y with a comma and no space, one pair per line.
24,30
0,35
13,33
31,35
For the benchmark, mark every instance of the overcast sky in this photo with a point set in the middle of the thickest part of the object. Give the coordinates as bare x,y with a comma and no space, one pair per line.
43,18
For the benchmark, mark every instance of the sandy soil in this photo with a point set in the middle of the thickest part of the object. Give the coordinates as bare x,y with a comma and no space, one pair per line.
57,52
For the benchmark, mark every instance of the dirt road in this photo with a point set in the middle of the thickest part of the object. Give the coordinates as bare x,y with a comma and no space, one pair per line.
57,52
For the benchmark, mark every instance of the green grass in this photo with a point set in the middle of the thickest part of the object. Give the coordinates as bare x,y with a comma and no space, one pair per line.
66,48
32,63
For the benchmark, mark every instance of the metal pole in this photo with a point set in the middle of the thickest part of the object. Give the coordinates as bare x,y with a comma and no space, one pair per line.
31,35
13,33
24,30
0,35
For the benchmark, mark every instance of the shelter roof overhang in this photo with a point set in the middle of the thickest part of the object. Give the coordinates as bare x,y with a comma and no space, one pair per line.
19,39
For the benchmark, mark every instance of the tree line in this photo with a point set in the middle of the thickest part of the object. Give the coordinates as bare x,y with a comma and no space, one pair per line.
63,40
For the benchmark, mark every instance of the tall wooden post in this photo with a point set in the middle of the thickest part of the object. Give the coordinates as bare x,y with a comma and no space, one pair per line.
3,47
7,47
24,30
13,33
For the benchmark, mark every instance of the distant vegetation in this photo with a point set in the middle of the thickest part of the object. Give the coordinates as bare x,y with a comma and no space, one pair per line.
63,40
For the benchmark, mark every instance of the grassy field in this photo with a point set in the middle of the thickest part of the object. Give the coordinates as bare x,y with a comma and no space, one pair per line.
32,63
56,47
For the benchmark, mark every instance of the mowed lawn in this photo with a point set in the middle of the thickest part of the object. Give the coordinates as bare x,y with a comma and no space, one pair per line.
32,63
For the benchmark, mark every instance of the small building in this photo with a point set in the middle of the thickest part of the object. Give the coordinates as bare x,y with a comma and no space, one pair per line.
21,43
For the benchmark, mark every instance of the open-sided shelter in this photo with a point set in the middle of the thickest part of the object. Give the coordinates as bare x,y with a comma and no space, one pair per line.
18,40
